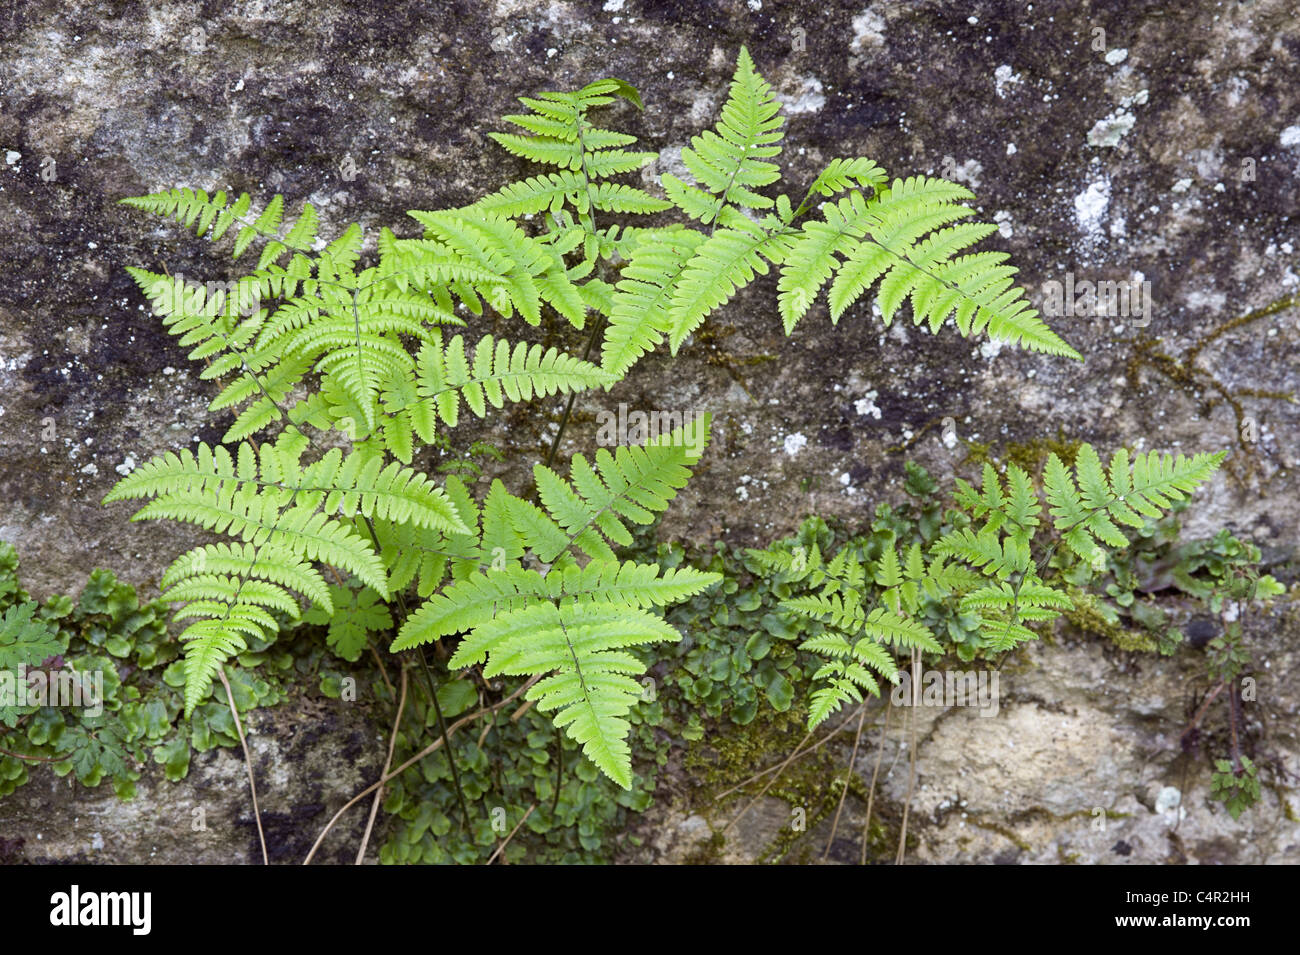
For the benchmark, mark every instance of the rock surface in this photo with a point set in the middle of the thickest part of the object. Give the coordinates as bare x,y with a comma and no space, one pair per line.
1112,141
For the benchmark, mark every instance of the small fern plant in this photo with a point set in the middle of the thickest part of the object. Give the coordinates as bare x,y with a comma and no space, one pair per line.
992,565
343,363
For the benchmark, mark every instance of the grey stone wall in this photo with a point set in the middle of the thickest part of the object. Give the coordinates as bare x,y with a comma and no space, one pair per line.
1127,141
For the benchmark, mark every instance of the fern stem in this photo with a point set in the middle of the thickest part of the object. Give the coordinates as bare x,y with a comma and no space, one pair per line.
393,774
442,730
559,771
248,761
433,693
550,459
871,793
568,405
388,761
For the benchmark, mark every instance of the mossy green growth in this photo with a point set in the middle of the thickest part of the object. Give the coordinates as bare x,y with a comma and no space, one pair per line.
99,696
507,770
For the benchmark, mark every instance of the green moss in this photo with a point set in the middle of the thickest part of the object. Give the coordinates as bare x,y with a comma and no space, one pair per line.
1031,455
1002,831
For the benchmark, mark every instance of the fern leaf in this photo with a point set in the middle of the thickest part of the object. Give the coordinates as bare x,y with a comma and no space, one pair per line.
722,264
644,293
730,161
446,376
590,685
631,484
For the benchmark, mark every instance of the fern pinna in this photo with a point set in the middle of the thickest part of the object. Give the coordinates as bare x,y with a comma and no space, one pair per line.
990,564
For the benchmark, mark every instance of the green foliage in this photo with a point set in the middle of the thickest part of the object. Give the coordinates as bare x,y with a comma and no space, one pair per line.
573,625
102,697
343,367
1118,602
314,339
508,772
1237,789
854,228
355,614
985,563
363,510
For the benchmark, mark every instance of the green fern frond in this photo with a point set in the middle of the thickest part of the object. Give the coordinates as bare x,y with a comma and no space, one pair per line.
558,133
446,376
842,174
632,484
276,564
214,215
1131,493
828,699
579,648
646,290
209,643
1031,593
730,161
904,239
721,265
525,269
986,550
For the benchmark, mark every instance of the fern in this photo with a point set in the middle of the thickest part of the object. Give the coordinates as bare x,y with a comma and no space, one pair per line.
989,569
731,161
319,313
572,624
389,379
907,240
854,230
322,343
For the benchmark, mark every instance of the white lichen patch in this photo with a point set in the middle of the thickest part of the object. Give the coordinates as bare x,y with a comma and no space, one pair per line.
1107,132
968,172
809,98
794,443
1090,207
868,31
1003,78
866,405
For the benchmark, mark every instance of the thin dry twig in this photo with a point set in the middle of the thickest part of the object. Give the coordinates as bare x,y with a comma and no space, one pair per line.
506,841
248,762
835,824
871,793
388,761
911,774
432,747
35,759
781,765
